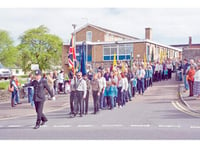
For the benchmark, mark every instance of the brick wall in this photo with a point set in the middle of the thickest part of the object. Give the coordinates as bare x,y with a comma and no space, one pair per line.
139,48
96,34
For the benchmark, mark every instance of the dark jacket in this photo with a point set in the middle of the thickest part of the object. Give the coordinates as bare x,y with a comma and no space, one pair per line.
39,90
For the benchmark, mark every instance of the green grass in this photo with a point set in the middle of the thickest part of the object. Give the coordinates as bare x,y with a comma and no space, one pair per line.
4,85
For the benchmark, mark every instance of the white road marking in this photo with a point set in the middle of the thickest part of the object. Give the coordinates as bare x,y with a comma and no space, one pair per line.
142,125
14,125
43,126
194,126
61,126
86,125
169,126
112,125
1,126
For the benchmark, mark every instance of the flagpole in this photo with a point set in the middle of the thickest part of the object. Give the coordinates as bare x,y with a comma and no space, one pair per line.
74,40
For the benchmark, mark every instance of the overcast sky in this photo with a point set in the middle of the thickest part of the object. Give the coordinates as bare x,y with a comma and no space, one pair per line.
169,26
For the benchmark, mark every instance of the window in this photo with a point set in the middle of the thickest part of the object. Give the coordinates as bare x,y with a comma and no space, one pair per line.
89,36
122,51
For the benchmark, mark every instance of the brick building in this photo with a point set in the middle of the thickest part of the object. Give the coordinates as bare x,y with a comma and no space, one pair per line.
190,50
101,44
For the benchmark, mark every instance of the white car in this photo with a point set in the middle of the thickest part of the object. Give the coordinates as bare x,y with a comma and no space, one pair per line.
5,73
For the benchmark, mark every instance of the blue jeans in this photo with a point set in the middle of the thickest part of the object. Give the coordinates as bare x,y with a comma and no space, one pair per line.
102,100
17,97
111,102
129,92
185,82
30,96
141,85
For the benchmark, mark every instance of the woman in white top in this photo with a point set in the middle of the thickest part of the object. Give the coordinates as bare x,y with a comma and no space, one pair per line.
197,82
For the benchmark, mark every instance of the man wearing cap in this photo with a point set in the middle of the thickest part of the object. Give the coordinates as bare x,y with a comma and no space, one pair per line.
39,97
81,91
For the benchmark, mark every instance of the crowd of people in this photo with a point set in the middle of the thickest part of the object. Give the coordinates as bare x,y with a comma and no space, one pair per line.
110,87
115,85
191,77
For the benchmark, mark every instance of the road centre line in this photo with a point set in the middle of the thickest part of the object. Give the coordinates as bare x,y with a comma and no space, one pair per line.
86,125
169,126
195,127
14,125
61,126
142,125
112,125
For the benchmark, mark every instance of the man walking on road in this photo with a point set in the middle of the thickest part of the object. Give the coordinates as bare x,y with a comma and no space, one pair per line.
39,97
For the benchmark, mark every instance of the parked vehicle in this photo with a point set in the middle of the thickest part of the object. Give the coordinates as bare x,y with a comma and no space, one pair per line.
5,73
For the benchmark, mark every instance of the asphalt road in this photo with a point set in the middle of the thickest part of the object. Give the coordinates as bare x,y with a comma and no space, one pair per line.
154,116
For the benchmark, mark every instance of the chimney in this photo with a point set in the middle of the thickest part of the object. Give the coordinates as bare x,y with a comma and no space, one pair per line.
148,33
190,41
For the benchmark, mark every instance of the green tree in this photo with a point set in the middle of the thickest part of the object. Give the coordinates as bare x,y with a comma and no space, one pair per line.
8,53
38,46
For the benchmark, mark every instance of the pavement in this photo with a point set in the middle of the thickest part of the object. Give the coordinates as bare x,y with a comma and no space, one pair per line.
192,103
25,109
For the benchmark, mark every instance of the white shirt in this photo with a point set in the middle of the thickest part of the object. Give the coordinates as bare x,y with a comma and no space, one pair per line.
60,78
157,67
102,83
197,76
126,84
82,86
121,84
140,73
161,67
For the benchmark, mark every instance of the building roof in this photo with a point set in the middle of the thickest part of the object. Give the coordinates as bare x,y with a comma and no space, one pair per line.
127,42
108,31
186,45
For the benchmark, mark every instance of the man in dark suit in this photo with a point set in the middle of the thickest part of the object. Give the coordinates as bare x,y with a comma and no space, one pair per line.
39,97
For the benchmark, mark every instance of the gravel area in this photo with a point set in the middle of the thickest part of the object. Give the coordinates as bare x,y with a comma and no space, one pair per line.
4,95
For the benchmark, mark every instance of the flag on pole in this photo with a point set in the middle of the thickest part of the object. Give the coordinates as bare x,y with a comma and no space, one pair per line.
72,56
114,60
145,60
83,60
161,57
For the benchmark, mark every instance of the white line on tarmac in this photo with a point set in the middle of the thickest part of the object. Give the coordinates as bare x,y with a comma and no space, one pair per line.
195,127
43,126
142,125
169,126
85,125
58,126
1,126
14,125
112,125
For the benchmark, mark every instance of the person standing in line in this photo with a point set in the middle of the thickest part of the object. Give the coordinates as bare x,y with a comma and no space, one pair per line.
190,76
140,77
185,67
102,82
86,100
73,95
95,92
120,90
60,81
17,99
197,82
150,75
50,82
14,91
30,90
165,73
169,68
81,92
55,84
39,97
157,69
